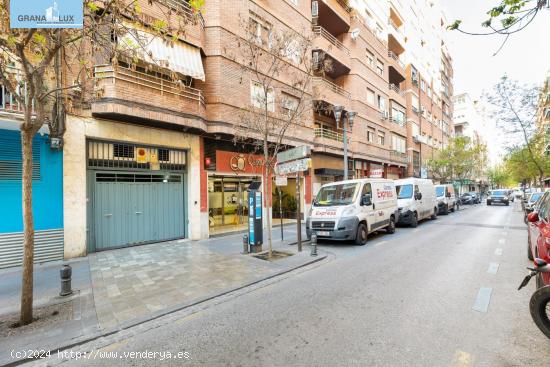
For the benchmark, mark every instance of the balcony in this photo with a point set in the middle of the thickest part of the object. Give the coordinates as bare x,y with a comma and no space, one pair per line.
333,15
8,103
124,93
396,94
327,91
398,156
333,48
325,133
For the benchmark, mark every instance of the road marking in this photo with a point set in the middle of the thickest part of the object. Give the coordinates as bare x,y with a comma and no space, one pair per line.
462,359
379,243
498,251
483,298
415,230
493,268
502,241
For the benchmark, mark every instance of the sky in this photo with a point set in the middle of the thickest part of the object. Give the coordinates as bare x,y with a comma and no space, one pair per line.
525,56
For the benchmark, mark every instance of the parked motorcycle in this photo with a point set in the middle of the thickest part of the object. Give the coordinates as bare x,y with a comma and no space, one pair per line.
540,300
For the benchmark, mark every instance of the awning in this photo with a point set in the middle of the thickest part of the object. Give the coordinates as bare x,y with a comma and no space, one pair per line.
177,56
328,172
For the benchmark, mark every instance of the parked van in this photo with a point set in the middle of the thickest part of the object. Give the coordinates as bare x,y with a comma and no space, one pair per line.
415,200
446,198
350,210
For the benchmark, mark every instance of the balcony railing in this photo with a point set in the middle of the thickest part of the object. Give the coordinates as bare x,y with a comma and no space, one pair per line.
398,156
392,55
323,83
169,90
320,31
396,89
344,4
186,10
321,132
8,102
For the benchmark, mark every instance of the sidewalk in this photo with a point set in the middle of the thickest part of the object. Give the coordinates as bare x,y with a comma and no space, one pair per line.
121,288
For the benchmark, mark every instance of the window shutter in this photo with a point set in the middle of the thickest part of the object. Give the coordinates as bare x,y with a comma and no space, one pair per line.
11,156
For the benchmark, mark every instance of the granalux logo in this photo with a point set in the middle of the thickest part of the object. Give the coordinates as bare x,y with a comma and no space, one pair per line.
46,13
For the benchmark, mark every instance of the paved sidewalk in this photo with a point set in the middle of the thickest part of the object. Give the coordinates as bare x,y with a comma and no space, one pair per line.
120,288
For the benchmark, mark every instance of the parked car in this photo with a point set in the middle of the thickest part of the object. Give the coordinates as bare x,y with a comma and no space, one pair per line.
531,203
416,200
517,194
446,198
467,198
539,235
350,210
498,197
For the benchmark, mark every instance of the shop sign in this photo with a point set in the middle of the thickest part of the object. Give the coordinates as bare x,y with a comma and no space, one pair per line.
293,166
46,14
303,151
376,173
142,156
238,162
281,180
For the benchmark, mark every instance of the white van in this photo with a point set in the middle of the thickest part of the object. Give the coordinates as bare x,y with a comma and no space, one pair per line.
350,210
416,200
446,198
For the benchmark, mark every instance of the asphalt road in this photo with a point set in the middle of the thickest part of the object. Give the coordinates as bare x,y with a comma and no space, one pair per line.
405,299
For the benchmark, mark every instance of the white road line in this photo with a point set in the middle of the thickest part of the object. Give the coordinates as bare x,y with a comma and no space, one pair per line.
493,268
498,251
379,243
415,230
483,298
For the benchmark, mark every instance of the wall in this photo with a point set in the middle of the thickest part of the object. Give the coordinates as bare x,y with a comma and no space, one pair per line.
74,169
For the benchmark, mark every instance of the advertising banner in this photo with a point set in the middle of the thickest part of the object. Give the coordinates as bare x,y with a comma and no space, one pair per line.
46,13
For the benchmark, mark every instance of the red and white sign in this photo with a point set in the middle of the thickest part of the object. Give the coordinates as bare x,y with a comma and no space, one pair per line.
376,173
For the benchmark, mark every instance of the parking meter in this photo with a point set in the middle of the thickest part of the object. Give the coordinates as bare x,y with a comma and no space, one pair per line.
255,217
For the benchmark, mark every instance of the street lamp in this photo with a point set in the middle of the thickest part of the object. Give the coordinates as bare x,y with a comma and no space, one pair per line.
337,114
351,117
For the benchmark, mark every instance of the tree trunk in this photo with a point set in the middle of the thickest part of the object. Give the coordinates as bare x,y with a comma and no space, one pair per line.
28,229
267,195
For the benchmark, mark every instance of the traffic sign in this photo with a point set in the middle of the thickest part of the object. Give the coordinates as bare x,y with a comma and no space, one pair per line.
300,152
293,166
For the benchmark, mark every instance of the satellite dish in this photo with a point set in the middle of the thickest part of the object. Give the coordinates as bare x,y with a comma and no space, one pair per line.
355,33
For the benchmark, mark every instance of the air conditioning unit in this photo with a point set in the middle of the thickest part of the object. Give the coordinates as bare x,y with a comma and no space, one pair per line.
416,139
423,109
384,115
314,9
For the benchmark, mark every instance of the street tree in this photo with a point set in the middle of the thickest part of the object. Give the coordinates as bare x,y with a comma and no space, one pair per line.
522,167
499,176
32,62
506,18
461,159
277,64
513,106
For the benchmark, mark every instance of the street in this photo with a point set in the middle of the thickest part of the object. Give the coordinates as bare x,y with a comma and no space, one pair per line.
402,300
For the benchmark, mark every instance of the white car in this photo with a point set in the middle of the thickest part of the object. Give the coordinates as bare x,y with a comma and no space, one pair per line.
416,200
350,210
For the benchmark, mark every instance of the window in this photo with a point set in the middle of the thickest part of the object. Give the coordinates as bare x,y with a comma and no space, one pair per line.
294,2
292,51
381,138
415,129
289,104
398,116
429,92
258,95
398,143
123,151
381,103
163,155
370,97
423,85
379,67
414,103
414,75
259,30
370,59
370,135
366,190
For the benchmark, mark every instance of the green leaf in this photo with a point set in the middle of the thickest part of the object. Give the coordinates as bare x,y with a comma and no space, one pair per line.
453,26
486,24
92,6
507,22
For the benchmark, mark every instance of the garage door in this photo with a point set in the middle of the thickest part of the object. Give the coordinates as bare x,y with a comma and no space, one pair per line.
133,207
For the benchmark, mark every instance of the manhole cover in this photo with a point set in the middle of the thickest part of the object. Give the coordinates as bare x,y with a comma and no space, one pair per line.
275,255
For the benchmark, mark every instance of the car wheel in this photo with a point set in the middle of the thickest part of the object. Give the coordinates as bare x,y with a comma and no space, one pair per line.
529,251
539,306
362,233
488,203
446,210
414,220
434,215
506,204
391,227
453,208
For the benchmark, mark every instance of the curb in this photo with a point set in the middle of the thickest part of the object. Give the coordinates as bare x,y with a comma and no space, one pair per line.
155,315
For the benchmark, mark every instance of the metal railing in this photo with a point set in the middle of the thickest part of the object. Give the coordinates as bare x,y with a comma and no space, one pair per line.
186,9
321,132
323,83
153,82
392,55
8,102
322,32
399,156
396,89
345,5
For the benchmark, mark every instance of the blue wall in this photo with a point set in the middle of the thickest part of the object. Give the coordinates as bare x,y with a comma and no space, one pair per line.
47,191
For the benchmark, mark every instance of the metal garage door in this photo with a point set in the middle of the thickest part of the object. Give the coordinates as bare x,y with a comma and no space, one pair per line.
134,207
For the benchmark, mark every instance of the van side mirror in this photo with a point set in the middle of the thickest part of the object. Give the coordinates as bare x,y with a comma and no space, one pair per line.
418,196
533,217
366,200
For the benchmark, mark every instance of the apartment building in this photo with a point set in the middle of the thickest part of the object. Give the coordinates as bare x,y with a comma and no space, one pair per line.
150,151
543,112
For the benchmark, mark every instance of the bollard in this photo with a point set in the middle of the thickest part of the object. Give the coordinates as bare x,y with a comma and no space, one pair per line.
66,273
245,244
313,244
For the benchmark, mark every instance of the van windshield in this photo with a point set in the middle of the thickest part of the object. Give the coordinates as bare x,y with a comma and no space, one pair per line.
334,195
404,191
440,191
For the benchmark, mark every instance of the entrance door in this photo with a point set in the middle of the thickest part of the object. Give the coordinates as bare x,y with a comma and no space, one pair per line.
133,208
228,203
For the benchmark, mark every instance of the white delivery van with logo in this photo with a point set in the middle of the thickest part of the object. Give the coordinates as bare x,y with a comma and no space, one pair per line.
416,200
446,199
350,210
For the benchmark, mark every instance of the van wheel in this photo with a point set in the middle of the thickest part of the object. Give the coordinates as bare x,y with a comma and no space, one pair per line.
362,232
453,208
446,210
391,227
434,215
414,220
